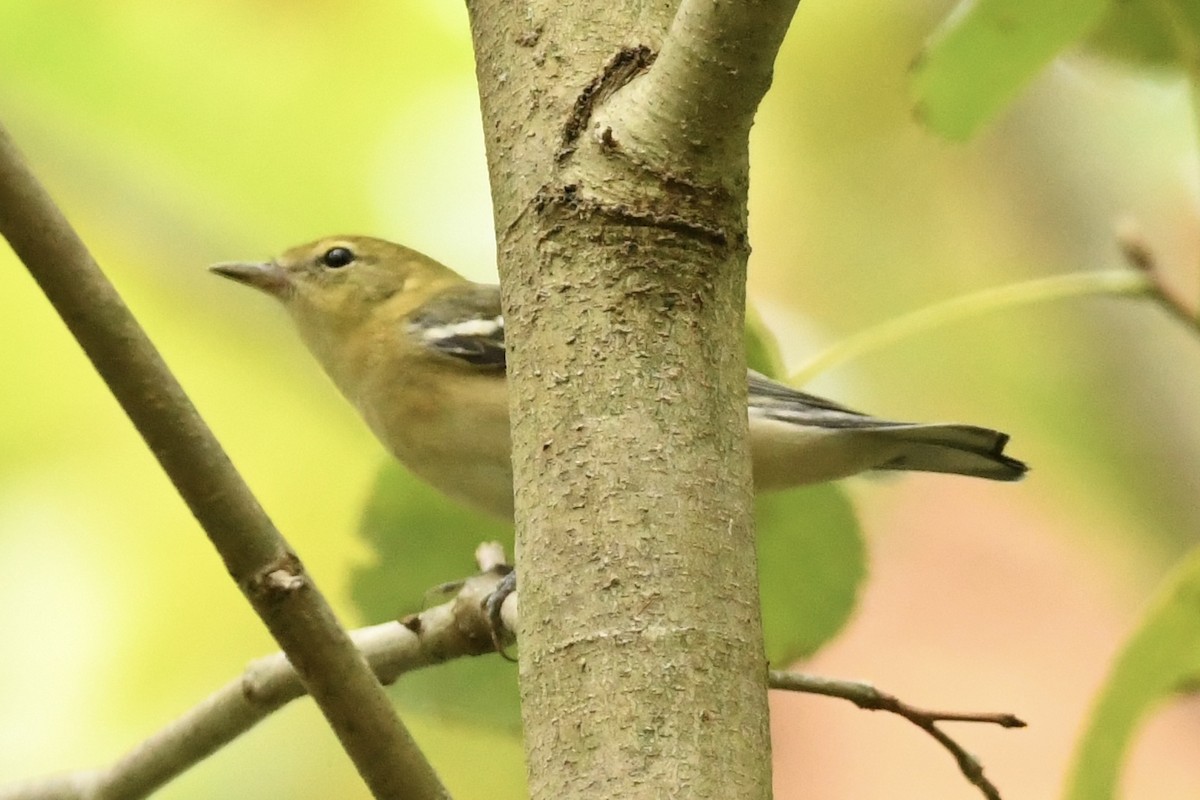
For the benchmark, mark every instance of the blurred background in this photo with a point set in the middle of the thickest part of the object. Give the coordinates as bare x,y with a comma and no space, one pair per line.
177,135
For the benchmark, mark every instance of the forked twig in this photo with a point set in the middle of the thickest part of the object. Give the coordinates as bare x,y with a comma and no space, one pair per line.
864,695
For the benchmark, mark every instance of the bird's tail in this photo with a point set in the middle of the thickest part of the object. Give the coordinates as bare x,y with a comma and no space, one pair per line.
958,449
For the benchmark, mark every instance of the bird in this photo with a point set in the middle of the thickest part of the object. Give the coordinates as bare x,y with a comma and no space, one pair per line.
419,350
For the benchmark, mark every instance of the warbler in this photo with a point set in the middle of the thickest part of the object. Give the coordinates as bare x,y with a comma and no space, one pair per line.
419,350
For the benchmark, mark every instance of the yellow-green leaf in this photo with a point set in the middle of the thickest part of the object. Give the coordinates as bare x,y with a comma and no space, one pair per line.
1159,34
985,52
1161,659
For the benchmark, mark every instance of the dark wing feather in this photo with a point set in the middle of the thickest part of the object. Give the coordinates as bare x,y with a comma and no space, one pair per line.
764,387
465,323
775,401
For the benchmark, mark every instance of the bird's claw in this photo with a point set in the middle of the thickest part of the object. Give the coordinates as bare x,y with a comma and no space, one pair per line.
494,602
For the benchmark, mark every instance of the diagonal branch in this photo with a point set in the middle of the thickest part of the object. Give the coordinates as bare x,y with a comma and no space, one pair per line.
864,695
453,629
457,628
1138,255
256,555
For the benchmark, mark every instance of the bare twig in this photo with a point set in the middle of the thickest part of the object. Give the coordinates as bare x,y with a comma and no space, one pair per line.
864,695
1138,254
456,628
256,555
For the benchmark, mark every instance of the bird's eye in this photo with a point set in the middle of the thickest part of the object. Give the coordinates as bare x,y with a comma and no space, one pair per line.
336,257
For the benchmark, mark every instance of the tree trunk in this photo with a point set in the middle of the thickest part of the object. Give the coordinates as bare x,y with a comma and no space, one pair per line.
617,146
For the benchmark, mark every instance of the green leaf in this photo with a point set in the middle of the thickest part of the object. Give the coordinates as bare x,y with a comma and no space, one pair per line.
811,559
811,562
986,51
762,350
420,540
1160,34
1161,659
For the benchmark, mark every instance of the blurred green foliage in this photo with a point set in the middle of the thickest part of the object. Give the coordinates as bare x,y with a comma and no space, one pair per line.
1161,660
811,560
986,51
981,55
1159,34
420,539
176,136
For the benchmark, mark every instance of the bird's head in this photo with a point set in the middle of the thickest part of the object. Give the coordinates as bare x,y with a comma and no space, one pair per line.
339,278
336,288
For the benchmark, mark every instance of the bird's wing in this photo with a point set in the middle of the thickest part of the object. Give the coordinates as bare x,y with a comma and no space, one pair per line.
464,323
776,401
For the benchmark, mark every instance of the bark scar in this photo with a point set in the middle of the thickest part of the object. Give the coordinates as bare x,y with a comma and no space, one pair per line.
278,580
571,199
628,63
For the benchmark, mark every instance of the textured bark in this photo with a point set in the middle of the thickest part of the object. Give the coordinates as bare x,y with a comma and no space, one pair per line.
620,202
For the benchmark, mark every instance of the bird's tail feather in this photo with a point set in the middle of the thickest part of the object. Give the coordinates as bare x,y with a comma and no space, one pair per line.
959,449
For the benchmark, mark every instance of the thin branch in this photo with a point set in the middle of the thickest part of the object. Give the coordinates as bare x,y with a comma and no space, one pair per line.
1144,280
256,555
1138,254
864,695
456,628
1038,290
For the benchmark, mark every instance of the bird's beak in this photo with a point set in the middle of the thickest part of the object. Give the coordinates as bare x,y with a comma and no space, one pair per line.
265,276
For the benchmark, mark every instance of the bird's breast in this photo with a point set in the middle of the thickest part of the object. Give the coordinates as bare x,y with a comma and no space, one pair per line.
455,436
